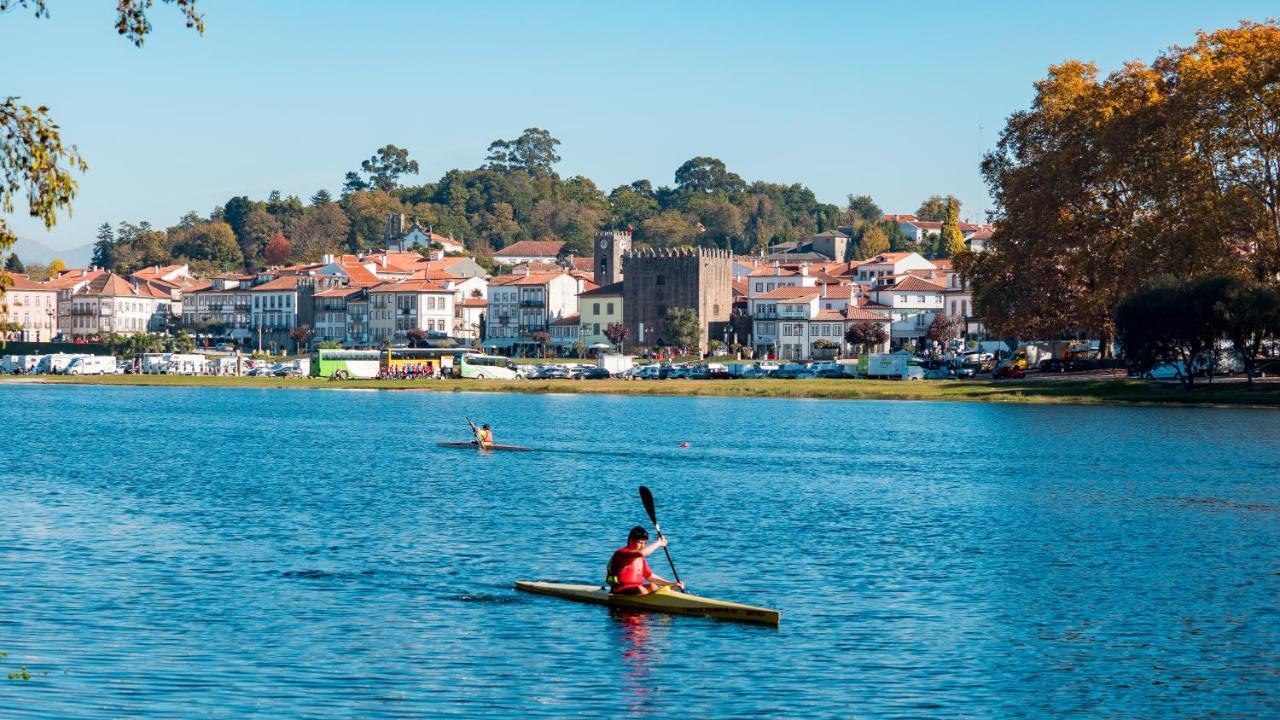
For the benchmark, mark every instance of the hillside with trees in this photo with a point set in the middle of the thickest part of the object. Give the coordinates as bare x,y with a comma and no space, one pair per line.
517,194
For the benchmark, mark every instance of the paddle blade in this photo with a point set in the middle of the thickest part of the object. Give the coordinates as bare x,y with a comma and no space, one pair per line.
646,497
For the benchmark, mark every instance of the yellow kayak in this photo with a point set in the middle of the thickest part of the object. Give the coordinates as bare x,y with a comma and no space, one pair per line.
665,600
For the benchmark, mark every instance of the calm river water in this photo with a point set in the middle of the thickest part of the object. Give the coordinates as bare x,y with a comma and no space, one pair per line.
268,553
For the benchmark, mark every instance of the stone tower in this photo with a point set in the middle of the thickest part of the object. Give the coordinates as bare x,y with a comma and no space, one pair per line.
700,279
611,245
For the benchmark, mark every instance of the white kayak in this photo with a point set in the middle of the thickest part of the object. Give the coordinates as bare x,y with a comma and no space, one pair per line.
664,600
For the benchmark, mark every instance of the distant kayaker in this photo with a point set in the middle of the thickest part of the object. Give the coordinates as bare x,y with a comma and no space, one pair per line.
628,573
484,437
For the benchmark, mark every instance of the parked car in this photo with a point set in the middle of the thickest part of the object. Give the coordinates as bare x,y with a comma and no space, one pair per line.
1010,372
965,371
595,373
768,367
1266,369
1078,365
1053,365
941,373
716,371
647,372
1165,371
224,347
791,371
831,373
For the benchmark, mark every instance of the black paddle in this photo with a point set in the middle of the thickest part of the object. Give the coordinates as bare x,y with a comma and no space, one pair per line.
474,432
646,497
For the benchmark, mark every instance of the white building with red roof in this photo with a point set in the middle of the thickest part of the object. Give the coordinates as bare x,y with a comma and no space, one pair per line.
912,302
395,309
30,307
788,321
275,306
110,303
522,305
529,251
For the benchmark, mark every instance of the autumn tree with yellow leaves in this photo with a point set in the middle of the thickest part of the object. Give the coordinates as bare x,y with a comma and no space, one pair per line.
1169,169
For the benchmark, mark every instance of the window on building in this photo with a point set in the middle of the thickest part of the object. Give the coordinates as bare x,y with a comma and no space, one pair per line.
609,308
759,287
595,308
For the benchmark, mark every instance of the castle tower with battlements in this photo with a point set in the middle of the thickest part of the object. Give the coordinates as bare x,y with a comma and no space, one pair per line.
611,245
660,280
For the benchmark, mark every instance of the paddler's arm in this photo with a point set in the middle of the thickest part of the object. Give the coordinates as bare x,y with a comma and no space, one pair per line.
658,581
654,546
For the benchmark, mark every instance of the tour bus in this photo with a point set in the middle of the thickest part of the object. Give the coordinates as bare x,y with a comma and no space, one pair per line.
489,367
438,358
346,364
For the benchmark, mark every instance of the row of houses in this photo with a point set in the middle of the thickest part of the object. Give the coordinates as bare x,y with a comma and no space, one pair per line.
782,304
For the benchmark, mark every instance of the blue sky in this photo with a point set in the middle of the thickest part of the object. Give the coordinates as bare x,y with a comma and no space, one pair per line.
845,97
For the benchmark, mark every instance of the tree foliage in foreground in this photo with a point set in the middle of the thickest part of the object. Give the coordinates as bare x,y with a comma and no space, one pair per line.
1183,321
1171,168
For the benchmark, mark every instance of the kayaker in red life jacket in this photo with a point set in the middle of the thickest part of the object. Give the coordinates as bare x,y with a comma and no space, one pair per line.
628,573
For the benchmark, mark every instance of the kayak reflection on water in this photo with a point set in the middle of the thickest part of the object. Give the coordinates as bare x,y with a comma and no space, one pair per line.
628,573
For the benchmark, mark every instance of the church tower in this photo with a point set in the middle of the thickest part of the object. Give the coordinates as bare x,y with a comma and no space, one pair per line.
610,247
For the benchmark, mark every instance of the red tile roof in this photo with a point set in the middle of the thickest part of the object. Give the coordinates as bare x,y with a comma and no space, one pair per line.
531,248
280,284
567,320
112,285
411,286
863,313
530,279
790,293
474,302
338,292
610,290
915,284
22,282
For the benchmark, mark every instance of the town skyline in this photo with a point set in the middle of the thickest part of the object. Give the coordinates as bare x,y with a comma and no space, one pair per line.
156,150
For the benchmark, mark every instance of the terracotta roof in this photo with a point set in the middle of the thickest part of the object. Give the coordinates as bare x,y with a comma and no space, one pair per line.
740,287
790,293
864,313
359,274
22,282
915,284
900,218
198,286
568,320
284,282
397,262
886,258
232,276
70,278
828,315
474,302
943,264
155,271
531,248
411,286
113,285
436,274
840,292
584,264
337,292
530,279
983,234
771,271
536,266
611,289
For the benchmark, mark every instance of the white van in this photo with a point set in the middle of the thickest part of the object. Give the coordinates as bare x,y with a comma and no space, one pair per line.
93,365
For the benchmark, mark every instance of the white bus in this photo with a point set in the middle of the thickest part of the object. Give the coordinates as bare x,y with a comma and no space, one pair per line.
488,367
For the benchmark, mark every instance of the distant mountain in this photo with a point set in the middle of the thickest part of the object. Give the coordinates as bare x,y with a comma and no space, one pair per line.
29,250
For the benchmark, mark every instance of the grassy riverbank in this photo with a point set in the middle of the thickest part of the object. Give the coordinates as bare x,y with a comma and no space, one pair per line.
1063,391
